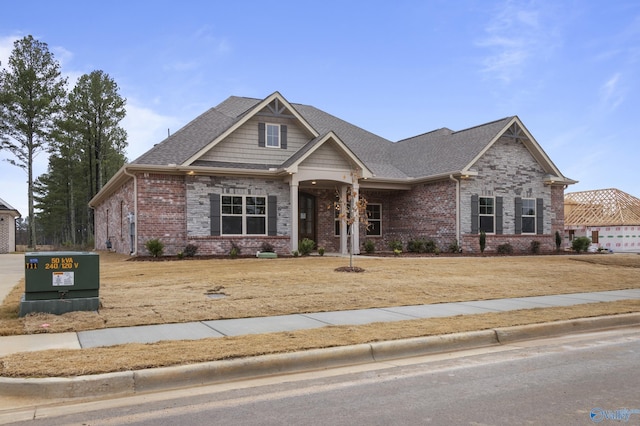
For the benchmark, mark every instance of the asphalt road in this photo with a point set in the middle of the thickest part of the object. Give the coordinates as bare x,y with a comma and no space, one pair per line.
565,380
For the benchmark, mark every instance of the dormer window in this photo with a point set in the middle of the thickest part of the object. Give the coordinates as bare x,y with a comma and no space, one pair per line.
273,135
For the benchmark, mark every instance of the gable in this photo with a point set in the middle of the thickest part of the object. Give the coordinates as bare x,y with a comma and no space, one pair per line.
242,145
327,156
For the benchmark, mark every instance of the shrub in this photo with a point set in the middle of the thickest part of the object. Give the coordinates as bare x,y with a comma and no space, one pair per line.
234,251
155,247
395,245
306,246
535,247
483,241
454,247
580,244
369,246
505,249
266,247
416,246
558,241
190,250
321,251
295,253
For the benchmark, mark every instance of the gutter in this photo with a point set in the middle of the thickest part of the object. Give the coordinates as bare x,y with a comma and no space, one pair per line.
134,248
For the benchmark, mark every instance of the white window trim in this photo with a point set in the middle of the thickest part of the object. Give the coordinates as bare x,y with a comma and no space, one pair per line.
375,220
245,215
534,215
266,135
493,215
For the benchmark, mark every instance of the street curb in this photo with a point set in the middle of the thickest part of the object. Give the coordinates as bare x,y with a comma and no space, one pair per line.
166,378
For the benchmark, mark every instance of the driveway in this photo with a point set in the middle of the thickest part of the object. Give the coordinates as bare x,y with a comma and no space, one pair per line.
11,271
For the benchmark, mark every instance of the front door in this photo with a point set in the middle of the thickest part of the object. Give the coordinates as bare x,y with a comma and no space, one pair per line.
306,216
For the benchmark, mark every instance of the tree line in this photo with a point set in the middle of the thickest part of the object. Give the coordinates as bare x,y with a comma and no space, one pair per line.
78,129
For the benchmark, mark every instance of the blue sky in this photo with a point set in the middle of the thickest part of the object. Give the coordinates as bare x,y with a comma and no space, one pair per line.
569,69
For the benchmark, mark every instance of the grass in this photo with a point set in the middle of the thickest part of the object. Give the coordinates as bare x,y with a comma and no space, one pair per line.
141,293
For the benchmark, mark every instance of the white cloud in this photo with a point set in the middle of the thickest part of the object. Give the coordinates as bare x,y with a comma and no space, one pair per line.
518,34
145,128
6,47
611,94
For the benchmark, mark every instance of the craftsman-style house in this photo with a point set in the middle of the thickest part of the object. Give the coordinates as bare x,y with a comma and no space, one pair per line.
254,171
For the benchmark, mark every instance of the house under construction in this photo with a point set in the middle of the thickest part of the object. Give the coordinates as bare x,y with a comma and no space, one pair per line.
609,217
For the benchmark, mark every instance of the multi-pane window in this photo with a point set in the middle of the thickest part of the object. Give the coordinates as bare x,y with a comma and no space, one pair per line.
273,135
528,216
243,215
486,212
374,216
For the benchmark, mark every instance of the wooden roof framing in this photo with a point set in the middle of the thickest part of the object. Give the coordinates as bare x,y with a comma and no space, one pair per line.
604,207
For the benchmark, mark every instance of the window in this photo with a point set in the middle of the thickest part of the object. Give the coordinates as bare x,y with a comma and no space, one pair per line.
486,213
528,216
273,135
243,215
374,216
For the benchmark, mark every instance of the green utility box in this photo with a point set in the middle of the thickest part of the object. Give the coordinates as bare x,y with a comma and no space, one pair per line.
59,282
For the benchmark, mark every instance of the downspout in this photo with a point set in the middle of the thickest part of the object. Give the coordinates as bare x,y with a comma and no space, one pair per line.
457,210
134,245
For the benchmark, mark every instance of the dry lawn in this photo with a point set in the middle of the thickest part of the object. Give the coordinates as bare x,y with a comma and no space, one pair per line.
137,293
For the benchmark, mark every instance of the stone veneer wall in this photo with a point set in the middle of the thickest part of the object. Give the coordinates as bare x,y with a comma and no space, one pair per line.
508,170
198,191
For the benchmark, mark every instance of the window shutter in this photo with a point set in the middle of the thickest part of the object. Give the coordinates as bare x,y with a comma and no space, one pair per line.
498,215
539,216
518,215
261,135
272,222
283,136
475,208
215,214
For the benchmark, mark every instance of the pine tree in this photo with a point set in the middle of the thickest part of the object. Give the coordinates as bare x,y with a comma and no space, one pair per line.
32,92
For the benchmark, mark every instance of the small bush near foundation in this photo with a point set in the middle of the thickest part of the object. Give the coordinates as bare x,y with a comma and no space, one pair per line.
454,247
369,247
505,249
321,251
154,247
558,241
395,245
190,250
535,247
483,241
421,245
580,244
234,251
306,246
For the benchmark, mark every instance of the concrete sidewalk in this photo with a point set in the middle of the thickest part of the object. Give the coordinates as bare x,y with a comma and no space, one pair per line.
12,266
27,392
243,326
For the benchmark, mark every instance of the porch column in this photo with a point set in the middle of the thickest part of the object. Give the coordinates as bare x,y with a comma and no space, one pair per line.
344,249
355,233
293,188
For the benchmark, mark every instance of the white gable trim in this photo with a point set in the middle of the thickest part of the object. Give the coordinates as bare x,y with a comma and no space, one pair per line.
365,172
245,118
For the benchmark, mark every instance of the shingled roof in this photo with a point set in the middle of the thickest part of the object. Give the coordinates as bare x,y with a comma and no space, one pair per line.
431,154
6,207
603,207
